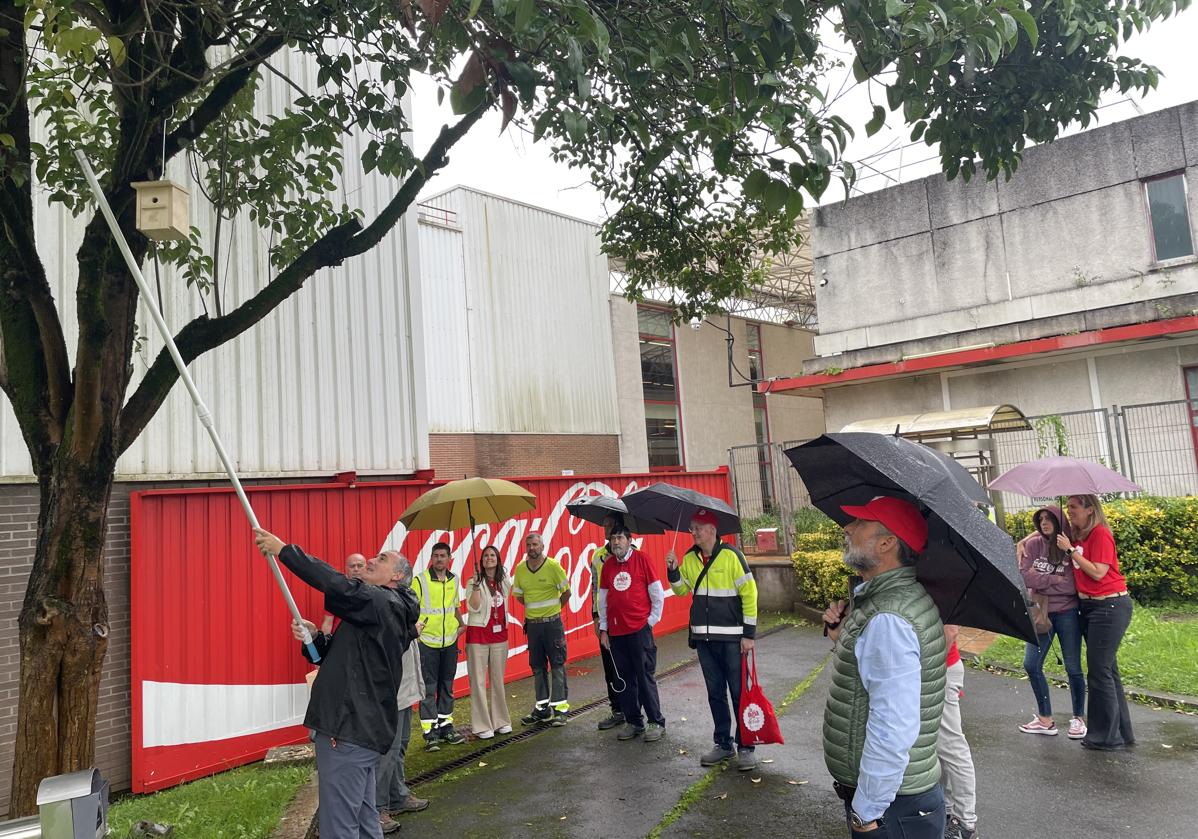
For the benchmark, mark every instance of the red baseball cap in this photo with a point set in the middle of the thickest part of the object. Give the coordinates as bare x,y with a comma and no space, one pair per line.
705,516
900,517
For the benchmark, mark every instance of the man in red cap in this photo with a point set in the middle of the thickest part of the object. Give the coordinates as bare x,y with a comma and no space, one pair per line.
723,624
883,712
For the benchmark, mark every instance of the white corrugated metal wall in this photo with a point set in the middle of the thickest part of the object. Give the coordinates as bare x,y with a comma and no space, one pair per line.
330,381
537,330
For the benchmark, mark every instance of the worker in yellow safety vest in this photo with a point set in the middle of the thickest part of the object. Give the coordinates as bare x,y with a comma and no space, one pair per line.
540,585
440,628
723,625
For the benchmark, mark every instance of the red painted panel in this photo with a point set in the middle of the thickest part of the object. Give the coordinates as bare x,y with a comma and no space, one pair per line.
217,678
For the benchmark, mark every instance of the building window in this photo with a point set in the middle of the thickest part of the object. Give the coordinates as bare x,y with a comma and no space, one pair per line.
1169,217
659,384
761,420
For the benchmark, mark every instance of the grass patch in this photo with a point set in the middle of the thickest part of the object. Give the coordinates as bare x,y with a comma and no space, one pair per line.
243,803
693,793
1159,651
696,790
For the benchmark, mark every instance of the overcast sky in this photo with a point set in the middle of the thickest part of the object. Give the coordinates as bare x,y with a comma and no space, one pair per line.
513,166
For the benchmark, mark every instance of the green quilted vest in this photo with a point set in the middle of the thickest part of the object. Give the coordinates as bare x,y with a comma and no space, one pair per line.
845,715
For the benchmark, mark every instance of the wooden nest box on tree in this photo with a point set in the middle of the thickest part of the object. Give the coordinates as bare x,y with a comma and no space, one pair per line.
162,210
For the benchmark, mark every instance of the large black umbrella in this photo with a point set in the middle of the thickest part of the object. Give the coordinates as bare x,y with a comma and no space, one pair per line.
675,506
596,508
969,564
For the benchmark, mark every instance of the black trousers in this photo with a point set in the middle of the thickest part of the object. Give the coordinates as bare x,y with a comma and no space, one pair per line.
1104,623
547,658
438,665
635,656
721,662
919,816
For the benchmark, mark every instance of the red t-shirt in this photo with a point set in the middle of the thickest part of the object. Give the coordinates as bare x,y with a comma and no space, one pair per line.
1099,546
496,629
627,586
954,655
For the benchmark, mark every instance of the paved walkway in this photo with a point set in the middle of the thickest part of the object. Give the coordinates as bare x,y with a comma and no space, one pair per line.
578,782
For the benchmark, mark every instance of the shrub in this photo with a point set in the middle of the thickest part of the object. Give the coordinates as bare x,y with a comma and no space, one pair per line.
821,576
1157,540
820,540
811,520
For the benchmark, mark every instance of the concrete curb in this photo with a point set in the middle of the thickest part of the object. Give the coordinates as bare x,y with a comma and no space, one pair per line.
1150,697
298,820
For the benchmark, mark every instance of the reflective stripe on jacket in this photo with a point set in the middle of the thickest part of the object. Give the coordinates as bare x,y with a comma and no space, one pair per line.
439,604
724,607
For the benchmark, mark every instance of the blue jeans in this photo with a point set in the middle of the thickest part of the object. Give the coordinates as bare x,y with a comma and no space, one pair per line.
721,663
1067,627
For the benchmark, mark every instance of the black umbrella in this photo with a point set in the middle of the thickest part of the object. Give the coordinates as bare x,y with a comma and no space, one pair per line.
969,564
675,506
596,508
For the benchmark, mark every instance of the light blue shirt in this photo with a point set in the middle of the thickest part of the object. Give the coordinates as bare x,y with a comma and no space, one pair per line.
888,662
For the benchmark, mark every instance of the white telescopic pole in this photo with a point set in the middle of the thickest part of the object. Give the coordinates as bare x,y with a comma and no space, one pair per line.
202,412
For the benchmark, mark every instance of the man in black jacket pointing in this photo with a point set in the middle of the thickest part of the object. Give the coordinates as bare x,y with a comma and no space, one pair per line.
352,713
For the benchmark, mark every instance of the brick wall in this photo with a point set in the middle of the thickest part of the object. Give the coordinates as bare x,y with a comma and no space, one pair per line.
500,455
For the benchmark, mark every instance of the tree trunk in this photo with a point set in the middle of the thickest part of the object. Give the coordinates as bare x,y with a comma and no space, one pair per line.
63,628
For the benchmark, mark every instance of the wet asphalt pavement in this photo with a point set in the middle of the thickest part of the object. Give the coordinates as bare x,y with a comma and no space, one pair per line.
580,782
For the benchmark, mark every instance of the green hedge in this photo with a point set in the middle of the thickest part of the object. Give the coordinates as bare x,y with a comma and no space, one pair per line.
820,572
1157,540
821,576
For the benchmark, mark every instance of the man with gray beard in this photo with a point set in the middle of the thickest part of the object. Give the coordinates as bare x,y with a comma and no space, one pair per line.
883,712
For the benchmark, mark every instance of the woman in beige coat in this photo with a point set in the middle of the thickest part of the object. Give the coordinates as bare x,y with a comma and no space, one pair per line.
486,645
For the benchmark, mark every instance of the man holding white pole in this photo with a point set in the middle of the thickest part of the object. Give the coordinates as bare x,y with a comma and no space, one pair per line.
353,713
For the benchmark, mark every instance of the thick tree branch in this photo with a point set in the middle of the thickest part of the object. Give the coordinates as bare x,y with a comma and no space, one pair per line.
434,159
204,333
340,243
223,92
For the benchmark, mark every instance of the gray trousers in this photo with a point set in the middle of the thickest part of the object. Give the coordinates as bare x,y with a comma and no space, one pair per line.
392,789
956,760
547,651
346,782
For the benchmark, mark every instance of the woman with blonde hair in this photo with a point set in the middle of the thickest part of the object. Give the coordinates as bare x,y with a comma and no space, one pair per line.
1105,615
486,645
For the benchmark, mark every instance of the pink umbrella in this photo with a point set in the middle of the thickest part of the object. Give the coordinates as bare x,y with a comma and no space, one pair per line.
1056,476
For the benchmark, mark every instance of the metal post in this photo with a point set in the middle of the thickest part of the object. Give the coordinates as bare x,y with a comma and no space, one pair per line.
1131,457
1116,417
202,412
1110,438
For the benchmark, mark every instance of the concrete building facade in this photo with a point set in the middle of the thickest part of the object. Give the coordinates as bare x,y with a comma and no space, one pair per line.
1071,287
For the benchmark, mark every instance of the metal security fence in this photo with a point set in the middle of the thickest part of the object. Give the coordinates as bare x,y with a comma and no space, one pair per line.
1159,443
1088,435
1154,444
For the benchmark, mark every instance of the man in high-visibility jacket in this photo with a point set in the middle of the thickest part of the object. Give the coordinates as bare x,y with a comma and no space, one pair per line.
610,677
540,585
440,599
723,624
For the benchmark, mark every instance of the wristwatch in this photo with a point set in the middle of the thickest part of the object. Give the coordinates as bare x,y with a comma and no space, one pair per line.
858,822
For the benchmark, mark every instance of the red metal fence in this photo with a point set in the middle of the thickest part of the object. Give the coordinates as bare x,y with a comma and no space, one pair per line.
217,678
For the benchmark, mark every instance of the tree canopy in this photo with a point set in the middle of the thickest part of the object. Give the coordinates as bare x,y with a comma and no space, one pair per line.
702,124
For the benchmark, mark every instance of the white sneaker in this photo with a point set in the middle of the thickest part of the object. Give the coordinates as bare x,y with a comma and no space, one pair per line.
504,729
1077,728
1037,727
484,735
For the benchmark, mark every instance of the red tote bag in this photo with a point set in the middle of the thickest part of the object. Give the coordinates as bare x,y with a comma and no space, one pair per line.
757,720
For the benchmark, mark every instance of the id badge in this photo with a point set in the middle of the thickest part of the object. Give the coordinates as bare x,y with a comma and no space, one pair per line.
497,628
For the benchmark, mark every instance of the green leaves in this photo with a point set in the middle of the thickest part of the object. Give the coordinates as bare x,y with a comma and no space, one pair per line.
875,124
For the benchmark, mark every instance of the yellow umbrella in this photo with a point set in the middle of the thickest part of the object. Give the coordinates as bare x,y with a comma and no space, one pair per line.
465,503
